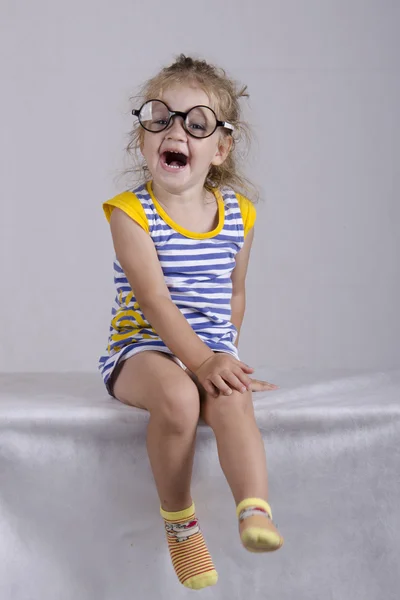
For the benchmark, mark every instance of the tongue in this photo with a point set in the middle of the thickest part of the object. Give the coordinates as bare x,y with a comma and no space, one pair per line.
176,163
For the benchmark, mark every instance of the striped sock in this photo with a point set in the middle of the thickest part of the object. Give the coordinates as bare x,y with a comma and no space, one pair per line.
190,557
264,538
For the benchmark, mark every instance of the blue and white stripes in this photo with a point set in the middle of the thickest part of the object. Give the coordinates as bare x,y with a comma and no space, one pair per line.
197,270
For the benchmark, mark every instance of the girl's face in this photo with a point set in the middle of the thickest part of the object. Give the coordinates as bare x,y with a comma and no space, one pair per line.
200,153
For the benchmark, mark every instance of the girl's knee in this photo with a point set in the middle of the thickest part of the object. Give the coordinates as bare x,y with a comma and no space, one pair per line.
217,410
178,406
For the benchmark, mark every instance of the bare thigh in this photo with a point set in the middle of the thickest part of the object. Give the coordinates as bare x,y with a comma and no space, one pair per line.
148,377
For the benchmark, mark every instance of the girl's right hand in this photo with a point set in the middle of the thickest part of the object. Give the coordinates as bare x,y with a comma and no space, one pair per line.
222,373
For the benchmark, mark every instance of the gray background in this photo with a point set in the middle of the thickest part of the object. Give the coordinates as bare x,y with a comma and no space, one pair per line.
324,280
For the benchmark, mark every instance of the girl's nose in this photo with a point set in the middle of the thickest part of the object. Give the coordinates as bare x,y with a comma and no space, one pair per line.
176,129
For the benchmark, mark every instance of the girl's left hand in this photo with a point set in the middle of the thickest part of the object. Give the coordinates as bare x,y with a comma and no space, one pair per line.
257,385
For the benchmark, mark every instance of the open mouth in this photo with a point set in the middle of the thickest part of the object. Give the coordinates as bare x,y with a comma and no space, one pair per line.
174,160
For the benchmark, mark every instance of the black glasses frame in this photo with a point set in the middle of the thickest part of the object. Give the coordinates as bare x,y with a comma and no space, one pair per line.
177,113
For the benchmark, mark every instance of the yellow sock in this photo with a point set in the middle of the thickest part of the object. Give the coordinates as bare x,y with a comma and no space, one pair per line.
190,557
258,538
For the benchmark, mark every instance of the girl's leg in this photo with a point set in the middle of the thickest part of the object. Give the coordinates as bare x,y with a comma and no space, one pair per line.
242,456
152,381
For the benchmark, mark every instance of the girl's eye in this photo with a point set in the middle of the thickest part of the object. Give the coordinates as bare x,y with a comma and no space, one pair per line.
160,122
198,126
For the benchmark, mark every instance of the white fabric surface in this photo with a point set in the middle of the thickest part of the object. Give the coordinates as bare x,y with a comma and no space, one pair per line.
79,513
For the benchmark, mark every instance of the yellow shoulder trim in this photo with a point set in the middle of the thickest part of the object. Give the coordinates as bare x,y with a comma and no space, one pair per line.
249,213
131,205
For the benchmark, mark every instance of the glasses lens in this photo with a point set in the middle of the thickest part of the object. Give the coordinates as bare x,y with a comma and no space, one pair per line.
154,115
201,121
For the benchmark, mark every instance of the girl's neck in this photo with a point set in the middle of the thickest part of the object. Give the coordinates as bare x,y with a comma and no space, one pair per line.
194,197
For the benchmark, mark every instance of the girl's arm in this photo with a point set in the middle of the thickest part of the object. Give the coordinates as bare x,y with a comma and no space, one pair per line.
238,303
138,257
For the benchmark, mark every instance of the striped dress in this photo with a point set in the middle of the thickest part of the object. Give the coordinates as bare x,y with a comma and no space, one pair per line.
197,269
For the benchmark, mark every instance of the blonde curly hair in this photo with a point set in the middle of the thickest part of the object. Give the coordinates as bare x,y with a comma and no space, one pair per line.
225,94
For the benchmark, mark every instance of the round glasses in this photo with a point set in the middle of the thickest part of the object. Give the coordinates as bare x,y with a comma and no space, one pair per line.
199,121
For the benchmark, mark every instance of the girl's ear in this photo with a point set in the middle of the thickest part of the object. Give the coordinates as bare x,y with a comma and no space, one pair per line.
224,147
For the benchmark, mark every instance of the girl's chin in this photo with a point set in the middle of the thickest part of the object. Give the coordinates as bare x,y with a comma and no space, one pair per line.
172,185
171,175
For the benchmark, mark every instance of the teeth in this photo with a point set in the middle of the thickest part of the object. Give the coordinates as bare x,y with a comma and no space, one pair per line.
174,166
175,152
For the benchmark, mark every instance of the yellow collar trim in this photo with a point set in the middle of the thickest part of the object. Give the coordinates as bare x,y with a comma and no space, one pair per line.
186,232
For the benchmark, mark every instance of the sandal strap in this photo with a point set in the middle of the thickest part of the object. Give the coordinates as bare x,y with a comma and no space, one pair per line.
254,503
251,511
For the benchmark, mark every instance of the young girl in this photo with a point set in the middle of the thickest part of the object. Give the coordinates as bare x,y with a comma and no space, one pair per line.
182,241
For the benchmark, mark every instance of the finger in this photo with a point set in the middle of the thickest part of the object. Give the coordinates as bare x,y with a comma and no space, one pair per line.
258,386
221,385
261,386
234,382
243,378
245,367
270,386
210,389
